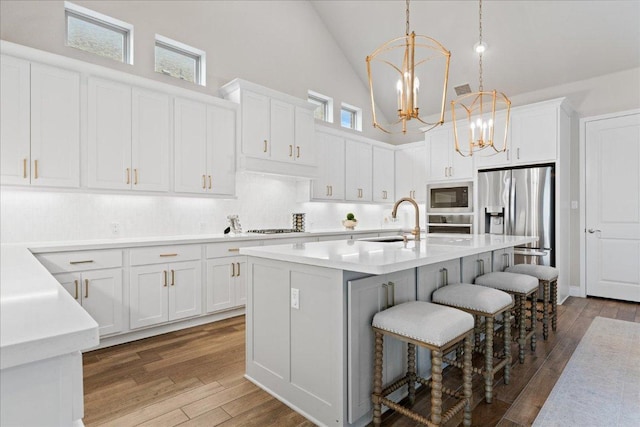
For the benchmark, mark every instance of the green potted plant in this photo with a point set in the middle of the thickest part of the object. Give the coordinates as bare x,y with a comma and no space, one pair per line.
350,222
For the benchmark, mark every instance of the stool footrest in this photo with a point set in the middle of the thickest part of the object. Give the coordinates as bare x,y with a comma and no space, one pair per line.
406,412
459,365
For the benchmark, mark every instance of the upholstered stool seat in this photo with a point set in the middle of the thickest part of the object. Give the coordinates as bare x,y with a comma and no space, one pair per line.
437,328
521,286
487,303
548,278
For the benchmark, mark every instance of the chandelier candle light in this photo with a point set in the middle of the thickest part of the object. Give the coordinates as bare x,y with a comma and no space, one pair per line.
404,55
478,114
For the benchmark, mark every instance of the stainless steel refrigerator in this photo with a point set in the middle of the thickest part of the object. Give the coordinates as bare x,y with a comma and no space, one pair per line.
520,201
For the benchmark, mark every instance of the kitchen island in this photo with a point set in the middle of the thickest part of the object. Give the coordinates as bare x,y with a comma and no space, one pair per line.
309,310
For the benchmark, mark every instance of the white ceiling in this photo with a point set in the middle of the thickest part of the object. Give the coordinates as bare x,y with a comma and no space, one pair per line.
533,44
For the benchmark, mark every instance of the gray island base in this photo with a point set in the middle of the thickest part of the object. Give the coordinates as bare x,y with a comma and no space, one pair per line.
309,311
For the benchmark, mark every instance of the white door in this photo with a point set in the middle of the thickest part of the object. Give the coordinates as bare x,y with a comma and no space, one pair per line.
220,284
15,111
190,138
55,127
255,125
221,150
383,175
102,298
613,207
185,289
109,143
150,140
148,295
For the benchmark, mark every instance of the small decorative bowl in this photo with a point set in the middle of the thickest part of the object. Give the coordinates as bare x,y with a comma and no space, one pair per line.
349,224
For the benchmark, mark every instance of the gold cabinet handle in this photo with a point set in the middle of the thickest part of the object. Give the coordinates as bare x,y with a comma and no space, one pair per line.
173,277
24,168
76,294
518,153
128,176
164,275
167,255
265,145
135,176
234,249
233,269
86,261
204,182
209,182
86,288
238,273
290,150
331,190
36,169
327,190
298,152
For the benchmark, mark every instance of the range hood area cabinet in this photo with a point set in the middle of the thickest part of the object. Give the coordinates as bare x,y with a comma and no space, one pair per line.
39,124
277,130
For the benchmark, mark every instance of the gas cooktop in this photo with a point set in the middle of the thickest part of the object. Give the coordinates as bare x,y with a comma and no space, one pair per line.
274,231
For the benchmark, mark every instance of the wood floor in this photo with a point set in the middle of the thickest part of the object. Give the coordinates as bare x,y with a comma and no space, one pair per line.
194,377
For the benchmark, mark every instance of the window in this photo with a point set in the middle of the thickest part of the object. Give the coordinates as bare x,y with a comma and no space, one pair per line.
178,60
324,109
351,117
97,33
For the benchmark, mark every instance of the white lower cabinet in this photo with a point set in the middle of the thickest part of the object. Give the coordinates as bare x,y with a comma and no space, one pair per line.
366,297
100,294
161,291
501,259
473,266
226,283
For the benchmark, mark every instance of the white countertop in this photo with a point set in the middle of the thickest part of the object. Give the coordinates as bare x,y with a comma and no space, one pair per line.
38,318
381,258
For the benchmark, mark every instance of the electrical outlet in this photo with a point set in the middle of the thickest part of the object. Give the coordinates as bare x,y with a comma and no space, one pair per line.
295,298
115,228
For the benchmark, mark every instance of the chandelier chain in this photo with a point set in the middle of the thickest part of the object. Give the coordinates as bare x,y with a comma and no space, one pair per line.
480,86
407,28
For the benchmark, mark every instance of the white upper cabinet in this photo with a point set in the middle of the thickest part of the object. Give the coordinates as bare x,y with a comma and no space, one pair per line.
205,138
489,158
40,124
444,162
329,184
128,144
383,175
358,175
411,172
276,132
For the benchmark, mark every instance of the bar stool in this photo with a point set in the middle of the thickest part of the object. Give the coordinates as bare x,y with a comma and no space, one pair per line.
521,287
487,303
437,328
548,278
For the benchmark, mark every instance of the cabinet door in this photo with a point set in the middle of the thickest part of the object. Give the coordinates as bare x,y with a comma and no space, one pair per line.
473,266
55,127
255,125
240,286
439,143
358,162
419,161
71,283
329,185
501,259
190,146
150,141
109,143
148,300
221,150
305,152
404,173
534,134
383,175
282,131
15,113
488,158
102,298
185,289
220,284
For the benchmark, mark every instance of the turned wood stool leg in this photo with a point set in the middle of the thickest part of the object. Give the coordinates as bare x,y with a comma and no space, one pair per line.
411,372
377,379
554,304
436,386
466,375
522,325
507,345
534,318
545,309
488,359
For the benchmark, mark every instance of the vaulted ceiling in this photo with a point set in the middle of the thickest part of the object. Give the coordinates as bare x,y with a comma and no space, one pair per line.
532,45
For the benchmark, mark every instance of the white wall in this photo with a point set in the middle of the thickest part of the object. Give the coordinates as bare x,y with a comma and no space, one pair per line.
282,45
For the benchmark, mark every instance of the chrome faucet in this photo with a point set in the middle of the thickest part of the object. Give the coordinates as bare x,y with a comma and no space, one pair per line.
416,230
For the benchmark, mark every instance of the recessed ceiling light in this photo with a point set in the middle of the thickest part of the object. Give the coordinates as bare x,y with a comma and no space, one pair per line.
480,47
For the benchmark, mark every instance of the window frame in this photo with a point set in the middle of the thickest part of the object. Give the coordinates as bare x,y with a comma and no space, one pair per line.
355,112
322,100
101,20
178,47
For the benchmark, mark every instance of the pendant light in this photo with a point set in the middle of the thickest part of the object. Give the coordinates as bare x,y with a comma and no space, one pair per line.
398,65
474,114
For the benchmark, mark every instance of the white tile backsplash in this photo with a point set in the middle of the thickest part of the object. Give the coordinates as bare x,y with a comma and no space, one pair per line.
263,201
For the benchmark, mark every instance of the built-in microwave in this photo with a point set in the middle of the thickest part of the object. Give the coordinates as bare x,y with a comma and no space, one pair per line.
450,197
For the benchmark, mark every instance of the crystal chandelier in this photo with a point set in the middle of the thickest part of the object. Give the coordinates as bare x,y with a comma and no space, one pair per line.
474,114
400,60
